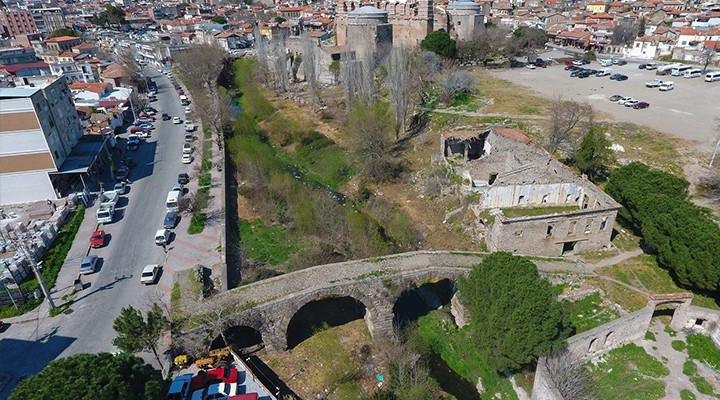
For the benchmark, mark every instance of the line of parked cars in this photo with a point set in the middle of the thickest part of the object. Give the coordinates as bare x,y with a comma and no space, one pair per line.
629,102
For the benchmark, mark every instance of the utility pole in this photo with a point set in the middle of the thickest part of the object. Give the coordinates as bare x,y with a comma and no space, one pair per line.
36,269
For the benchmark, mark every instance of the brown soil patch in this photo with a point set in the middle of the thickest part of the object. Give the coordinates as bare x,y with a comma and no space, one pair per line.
246,210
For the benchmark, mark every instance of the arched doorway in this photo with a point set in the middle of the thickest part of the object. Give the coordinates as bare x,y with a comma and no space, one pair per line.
242,337
415,302
316,314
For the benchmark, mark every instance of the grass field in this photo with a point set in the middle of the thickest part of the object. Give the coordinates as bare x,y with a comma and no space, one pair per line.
589,313
629,369
265,243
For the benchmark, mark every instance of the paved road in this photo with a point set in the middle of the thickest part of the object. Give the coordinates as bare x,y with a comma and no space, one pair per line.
25,348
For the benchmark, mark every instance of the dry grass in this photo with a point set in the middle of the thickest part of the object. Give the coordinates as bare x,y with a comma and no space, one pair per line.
628,299
505,98
653,148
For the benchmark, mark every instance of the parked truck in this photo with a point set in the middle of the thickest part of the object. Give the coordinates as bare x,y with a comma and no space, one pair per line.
109,197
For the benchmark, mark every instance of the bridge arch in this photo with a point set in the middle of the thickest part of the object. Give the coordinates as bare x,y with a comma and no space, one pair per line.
420,298
245,338
330,309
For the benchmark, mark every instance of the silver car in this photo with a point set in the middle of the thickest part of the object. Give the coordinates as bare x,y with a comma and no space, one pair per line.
88,265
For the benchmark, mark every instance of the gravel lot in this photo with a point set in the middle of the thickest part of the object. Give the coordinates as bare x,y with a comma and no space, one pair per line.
687,112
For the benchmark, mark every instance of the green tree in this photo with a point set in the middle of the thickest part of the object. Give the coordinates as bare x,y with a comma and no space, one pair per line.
641,28
219,19
183,5
279,20
528,40
514,315
64,32
594,154
136,334
440,43
685,237
93,376
111,16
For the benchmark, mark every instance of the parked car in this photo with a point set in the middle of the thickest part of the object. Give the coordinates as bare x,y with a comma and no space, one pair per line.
641,105
170,220
142,120
149,110
623,100
530,66
147,115
146,127
121,173
622,62
187,148
183,178
621,78
162,237
189,137
165,117
570,67
667,86
615,97
642,66
614,77
180,388
120,187
176,121
150,274
631,103
97,239
88,264
186,158
654,83
188,110
218,391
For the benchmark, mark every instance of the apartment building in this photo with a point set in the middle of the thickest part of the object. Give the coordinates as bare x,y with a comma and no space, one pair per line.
39,128
17,22
49,19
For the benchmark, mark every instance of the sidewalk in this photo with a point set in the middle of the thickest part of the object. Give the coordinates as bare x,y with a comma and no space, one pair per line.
205,248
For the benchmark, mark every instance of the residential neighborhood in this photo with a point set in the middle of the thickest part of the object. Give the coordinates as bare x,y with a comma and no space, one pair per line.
247,200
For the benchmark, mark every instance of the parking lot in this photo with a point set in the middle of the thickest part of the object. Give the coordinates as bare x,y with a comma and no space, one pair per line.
686,112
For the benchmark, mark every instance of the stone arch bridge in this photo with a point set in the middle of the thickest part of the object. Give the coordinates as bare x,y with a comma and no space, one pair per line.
268,306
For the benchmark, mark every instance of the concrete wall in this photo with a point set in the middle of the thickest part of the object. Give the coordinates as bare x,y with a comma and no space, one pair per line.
545,235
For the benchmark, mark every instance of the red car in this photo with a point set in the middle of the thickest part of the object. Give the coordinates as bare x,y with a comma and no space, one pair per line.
165,117
97,239
213,376
144,115
641,105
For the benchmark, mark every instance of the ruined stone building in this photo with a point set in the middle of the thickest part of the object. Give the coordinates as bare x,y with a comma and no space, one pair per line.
465,19
411,20
532,203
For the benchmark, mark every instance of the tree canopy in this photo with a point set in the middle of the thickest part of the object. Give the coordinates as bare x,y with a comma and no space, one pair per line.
111,16
136,334
440,43
514,315
93,376
64,32
219,19
655,204
594,154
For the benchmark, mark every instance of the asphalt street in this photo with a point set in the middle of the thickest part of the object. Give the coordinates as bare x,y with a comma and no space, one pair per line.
26,348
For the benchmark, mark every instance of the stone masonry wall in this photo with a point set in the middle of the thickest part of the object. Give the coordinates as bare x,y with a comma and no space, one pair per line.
545,235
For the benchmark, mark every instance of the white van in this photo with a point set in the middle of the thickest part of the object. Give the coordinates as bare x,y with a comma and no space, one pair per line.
173,201
693,73
606,62
604,72
712,76
667,86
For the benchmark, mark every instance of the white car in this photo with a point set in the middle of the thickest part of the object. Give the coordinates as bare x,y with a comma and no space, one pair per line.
653,83
624,100
150,274
530,66
631,103
186,158
187,110
187,148
162,237
176,121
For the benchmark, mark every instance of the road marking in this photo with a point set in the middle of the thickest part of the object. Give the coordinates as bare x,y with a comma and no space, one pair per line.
681,112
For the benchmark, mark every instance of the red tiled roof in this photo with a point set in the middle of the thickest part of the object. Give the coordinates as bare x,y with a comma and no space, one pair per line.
17,67
61,39
95,87
460,135
513,134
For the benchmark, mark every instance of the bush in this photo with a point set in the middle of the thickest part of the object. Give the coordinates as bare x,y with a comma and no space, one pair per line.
197,223
678,345
689,368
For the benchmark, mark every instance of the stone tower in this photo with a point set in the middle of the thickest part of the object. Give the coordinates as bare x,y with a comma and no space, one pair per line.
411,20
465,20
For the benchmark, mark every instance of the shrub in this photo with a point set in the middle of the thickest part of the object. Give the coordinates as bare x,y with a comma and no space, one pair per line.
701,347
197,223
678,345
689,368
